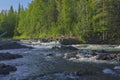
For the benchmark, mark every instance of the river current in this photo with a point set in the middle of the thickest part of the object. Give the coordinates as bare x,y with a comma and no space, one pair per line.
44,63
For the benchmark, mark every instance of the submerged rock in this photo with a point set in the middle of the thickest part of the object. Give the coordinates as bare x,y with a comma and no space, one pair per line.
117,67
6,69
8,56
85,72
117,70
50,54
108,71
114,71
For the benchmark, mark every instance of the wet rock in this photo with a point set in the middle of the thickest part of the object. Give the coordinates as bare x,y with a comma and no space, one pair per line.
117,67
50,54
81,55
108,71
69,41
69,48
117,70
6,69
66,48
85,72
56,47
86,53
11,45
90,52
109,56
79,73
8,56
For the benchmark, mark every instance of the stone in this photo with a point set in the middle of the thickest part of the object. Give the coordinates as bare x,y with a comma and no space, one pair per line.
6,69
69,48
12,45
8,56
117,67
108,71
64,47
109,56
50,54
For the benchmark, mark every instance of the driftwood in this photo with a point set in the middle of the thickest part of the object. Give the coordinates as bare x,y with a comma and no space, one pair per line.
3,34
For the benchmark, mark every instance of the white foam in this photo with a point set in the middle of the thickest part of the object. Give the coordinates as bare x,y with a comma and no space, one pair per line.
118,47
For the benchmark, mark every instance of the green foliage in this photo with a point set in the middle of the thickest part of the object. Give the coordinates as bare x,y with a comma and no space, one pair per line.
84,19
8,22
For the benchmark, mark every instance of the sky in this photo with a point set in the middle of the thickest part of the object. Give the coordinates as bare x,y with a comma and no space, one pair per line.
5,4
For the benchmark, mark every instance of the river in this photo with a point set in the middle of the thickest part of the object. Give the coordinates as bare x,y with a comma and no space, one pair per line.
44,63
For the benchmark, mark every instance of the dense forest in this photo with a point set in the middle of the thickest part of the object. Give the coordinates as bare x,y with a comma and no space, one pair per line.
87,20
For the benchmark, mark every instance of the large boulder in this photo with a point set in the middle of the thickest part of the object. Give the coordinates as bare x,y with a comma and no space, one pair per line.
8,56
11,45
65,48
69,48
6,69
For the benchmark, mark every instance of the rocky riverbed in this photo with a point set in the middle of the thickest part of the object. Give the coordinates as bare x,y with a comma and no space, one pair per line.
4,45
6,69
67,62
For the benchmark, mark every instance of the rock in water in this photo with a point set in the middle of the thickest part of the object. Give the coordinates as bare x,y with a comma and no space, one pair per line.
11,45
109,56
117,67
6,69
69,48
108,71
8,56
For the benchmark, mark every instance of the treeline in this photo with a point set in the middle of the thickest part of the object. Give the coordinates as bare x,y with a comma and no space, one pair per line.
8,20
87,20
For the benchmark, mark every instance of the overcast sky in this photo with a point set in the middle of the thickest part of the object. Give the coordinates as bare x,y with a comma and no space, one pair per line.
5,4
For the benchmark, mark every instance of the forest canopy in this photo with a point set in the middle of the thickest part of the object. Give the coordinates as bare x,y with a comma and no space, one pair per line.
87,20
